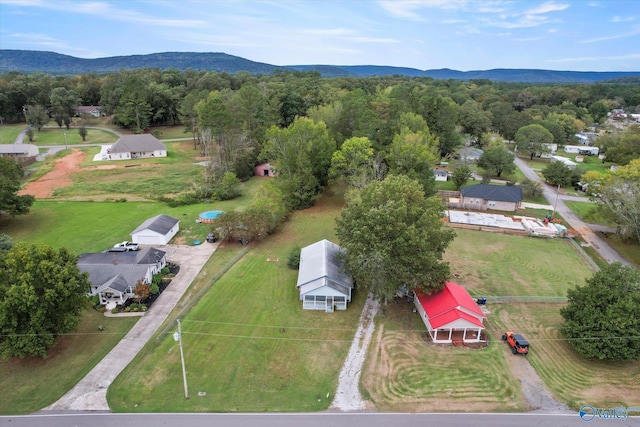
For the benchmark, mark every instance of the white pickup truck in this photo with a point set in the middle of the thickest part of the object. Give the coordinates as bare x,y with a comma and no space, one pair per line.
128,246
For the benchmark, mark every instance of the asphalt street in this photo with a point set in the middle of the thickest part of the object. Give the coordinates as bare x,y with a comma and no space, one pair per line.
322,419
587,234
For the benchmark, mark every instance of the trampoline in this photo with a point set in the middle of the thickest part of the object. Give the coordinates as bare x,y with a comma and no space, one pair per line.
209,216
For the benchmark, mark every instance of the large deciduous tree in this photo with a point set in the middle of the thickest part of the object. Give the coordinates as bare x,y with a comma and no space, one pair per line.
557,173
353,163
602,318
619,197
413,152
301,156
36,116
474,120
10,202
63,105
535,139
41,296
497,160
394,237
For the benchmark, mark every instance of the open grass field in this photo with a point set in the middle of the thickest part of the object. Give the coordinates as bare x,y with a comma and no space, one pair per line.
171,132
493,264
9,133
248,344
56,136
85,226
572,379
144,178
29,384
404,372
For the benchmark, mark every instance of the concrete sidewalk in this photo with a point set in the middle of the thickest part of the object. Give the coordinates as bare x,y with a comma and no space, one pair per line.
90,394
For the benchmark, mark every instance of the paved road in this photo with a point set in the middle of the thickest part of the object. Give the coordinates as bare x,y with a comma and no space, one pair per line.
90,394
581,227
311,420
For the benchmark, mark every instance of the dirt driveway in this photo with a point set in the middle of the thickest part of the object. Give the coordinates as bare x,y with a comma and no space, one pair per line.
60,176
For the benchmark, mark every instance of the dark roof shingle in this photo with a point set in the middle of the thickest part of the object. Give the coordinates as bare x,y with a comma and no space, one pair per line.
499,193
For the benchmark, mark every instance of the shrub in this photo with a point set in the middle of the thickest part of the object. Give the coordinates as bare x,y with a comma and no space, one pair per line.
157,279
293,260
115,309
127,309
165,271
95,301
154,289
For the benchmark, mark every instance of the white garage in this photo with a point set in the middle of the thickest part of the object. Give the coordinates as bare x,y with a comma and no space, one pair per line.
158,230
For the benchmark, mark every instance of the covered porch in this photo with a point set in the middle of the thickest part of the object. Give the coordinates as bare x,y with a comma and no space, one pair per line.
325,303
453,335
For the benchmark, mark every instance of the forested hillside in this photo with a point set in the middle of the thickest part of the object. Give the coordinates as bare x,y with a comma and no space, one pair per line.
27,61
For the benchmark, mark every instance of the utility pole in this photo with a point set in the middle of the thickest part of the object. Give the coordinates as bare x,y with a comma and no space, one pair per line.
556,203
65,140
178,337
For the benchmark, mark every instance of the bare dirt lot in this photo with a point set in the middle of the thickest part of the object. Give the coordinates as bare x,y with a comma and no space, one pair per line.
60,176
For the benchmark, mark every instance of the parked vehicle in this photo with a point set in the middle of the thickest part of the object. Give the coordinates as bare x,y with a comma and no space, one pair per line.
211,238
517,343
117,249
128,246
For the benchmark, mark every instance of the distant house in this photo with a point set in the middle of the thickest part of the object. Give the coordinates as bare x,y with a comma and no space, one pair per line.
470,154
323,282
450,315
581,149
264,169
440,175
19,152
114,275
137,146
88,109
489,196
566,161
158,230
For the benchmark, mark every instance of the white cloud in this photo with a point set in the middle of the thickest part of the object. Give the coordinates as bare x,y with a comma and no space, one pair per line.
546,8
632,33
623,18
526,39
409,8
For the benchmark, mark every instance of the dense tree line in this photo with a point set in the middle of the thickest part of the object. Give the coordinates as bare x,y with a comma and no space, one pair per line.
299,121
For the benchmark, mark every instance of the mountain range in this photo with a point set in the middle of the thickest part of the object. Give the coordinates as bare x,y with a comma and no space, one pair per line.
29,61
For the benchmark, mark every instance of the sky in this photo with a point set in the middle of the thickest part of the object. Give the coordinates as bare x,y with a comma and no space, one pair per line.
578,35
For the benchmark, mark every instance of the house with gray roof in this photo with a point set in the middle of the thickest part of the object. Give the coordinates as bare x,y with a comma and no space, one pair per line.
158,230
114,275
19,151
323,281
488,196
136,146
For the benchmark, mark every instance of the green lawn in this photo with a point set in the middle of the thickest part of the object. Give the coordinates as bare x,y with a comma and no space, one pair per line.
86,226
56,136
494,264
572,379
171,132
9,133
587,212
405,373
32,383
248,344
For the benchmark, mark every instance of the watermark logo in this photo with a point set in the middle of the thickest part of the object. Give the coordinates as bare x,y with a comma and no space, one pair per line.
589,413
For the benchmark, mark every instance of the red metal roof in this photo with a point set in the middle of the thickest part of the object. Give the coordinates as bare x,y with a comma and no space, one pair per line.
449,305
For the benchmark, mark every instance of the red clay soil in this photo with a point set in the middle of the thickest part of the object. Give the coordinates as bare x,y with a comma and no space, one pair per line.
60,176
